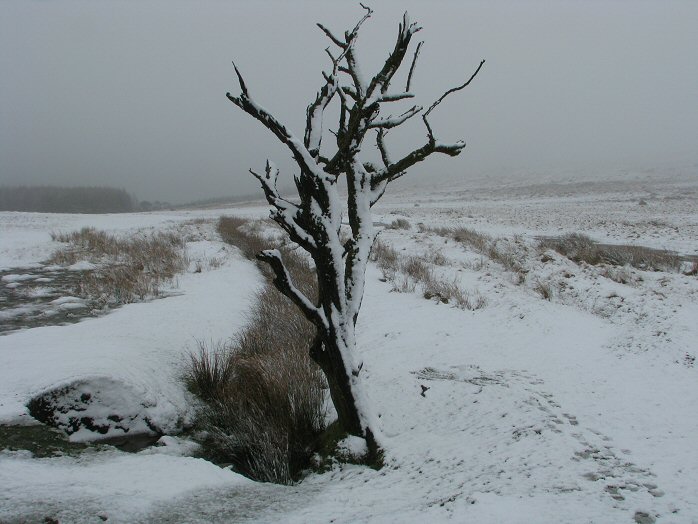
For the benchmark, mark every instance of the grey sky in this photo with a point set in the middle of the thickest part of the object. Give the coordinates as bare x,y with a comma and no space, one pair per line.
132,94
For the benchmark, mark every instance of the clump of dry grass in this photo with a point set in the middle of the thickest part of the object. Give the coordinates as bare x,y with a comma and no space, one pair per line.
478,241
406,273
128,269
581,248
399,223
386,258
544,289
402,284
484,244
450,292
437,258
621,275
264,397
416,268
209,370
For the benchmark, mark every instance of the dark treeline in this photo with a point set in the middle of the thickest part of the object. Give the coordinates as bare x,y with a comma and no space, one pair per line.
52,199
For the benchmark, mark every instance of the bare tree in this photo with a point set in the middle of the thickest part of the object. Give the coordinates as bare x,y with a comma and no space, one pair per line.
313,220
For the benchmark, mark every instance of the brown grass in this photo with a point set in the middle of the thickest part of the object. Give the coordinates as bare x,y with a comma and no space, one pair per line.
265,409
399,223
581,248
209,370
264,396
406,273
544,289
128,270
238,232
416,268
483,244
450,292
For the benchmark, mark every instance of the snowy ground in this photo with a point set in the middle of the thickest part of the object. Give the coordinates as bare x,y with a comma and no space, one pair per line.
576,409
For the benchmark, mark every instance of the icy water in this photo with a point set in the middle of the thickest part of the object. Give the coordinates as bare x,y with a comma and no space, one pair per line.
41,296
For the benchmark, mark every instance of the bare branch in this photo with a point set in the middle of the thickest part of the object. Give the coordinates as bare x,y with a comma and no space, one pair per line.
348,53
350,92
247,104
377,192
454,89
268,182
414,63
358,25
243,87
336,41
397,169
282,281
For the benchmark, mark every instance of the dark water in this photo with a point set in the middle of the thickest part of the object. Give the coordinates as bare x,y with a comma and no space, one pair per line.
42,296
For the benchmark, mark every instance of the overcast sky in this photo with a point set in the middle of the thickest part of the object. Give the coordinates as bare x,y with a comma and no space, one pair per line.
132,94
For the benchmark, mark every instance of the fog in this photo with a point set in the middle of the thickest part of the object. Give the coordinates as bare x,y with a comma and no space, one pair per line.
132,94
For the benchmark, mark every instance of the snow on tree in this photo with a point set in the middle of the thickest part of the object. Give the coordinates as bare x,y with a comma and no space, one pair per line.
313,219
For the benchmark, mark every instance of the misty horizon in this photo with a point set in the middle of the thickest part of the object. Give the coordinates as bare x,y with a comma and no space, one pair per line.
133,95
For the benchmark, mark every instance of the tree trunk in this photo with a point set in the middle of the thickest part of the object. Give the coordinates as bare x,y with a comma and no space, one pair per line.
328,356
344,390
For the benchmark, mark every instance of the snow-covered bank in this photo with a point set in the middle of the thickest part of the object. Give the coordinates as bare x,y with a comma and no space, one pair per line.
132,354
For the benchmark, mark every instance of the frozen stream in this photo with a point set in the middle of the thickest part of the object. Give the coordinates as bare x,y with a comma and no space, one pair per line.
41,296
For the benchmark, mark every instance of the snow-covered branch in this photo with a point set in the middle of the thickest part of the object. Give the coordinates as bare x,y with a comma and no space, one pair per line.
390,122
314,114
247,104
282,281
394,97
382,148
285,213
380,82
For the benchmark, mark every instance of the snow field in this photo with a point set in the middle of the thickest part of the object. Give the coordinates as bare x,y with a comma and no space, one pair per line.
580,408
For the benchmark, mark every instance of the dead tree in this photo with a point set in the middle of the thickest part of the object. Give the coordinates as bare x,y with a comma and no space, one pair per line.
313,220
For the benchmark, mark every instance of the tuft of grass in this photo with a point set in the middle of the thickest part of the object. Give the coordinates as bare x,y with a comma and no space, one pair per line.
621,275
406,273
416,268
208,371
399,223
483,244
544,289
128,269
386,258
450,292
581,248
478,241
403,284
